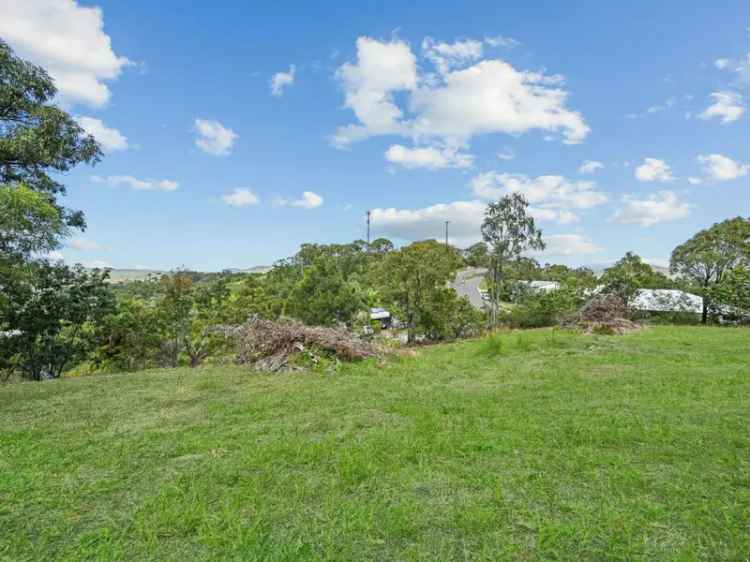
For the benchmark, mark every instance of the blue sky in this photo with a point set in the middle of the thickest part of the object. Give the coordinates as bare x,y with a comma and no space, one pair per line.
220,155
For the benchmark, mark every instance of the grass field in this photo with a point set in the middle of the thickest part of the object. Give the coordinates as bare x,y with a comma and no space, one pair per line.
533,446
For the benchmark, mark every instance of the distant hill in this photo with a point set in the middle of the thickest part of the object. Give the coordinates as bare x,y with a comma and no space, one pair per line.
125,275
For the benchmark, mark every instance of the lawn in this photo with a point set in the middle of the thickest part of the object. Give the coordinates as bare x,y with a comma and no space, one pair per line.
540,445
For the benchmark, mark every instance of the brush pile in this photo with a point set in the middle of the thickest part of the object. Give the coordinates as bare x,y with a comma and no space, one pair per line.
276,345
604,314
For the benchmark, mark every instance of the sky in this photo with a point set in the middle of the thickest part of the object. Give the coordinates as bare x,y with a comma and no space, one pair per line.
236,131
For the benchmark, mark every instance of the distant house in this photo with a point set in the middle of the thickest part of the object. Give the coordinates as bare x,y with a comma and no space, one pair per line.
666,300
541,286
381,315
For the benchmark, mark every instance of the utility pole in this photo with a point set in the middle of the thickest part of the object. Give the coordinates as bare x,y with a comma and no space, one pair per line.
446,233
368,230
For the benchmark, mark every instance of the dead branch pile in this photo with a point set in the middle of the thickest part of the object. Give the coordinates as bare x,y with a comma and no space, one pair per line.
272,345
604,314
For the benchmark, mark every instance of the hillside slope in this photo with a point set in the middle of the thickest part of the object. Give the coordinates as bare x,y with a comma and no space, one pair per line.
545,445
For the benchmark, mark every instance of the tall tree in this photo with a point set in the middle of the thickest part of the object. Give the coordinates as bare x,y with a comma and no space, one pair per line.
37,137
509,231
412,277
710,254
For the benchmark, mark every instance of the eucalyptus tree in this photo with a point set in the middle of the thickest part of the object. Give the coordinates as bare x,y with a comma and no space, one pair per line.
509,231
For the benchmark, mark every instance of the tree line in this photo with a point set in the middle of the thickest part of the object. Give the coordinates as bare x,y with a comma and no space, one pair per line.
55,317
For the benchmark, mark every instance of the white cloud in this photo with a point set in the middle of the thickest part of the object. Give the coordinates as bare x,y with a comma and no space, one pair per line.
309,200
718,167
69,41
692,180
653,169
446,56
590,166
281,80
506,154
569,245
428,157
501,41
240,197
493,97
136,184
727,106
663,206
214,138
721,64
465,221
381,69
84,245
110,139
429,222
555,192
490,96
97,264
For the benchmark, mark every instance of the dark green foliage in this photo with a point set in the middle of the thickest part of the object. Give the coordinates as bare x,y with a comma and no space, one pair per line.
36,137
323,297
52,312
412,280
630,274
703,260
731,296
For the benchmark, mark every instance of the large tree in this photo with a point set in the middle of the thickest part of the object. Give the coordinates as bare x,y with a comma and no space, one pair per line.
704,259
37,137
509,231
413,278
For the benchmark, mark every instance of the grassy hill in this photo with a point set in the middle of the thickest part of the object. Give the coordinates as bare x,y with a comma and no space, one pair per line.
546,445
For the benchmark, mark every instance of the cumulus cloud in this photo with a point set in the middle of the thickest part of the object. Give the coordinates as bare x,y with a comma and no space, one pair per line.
489,96
653,169
309,200
214,138
240,197
84,245
718,167
559,245
136,184
590,166
69,41
727,106
282,80
446,56
429,157
465,221
551,192
663,206
111,140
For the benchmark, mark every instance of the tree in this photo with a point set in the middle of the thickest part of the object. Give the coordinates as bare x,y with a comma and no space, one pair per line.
52,311
477,255
381,246
36,137
29,222
733,291
630,274
706,257
411,279
324,297
510,232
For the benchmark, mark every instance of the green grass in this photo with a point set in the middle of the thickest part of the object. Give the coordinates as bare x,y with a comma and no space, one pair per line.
545,446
